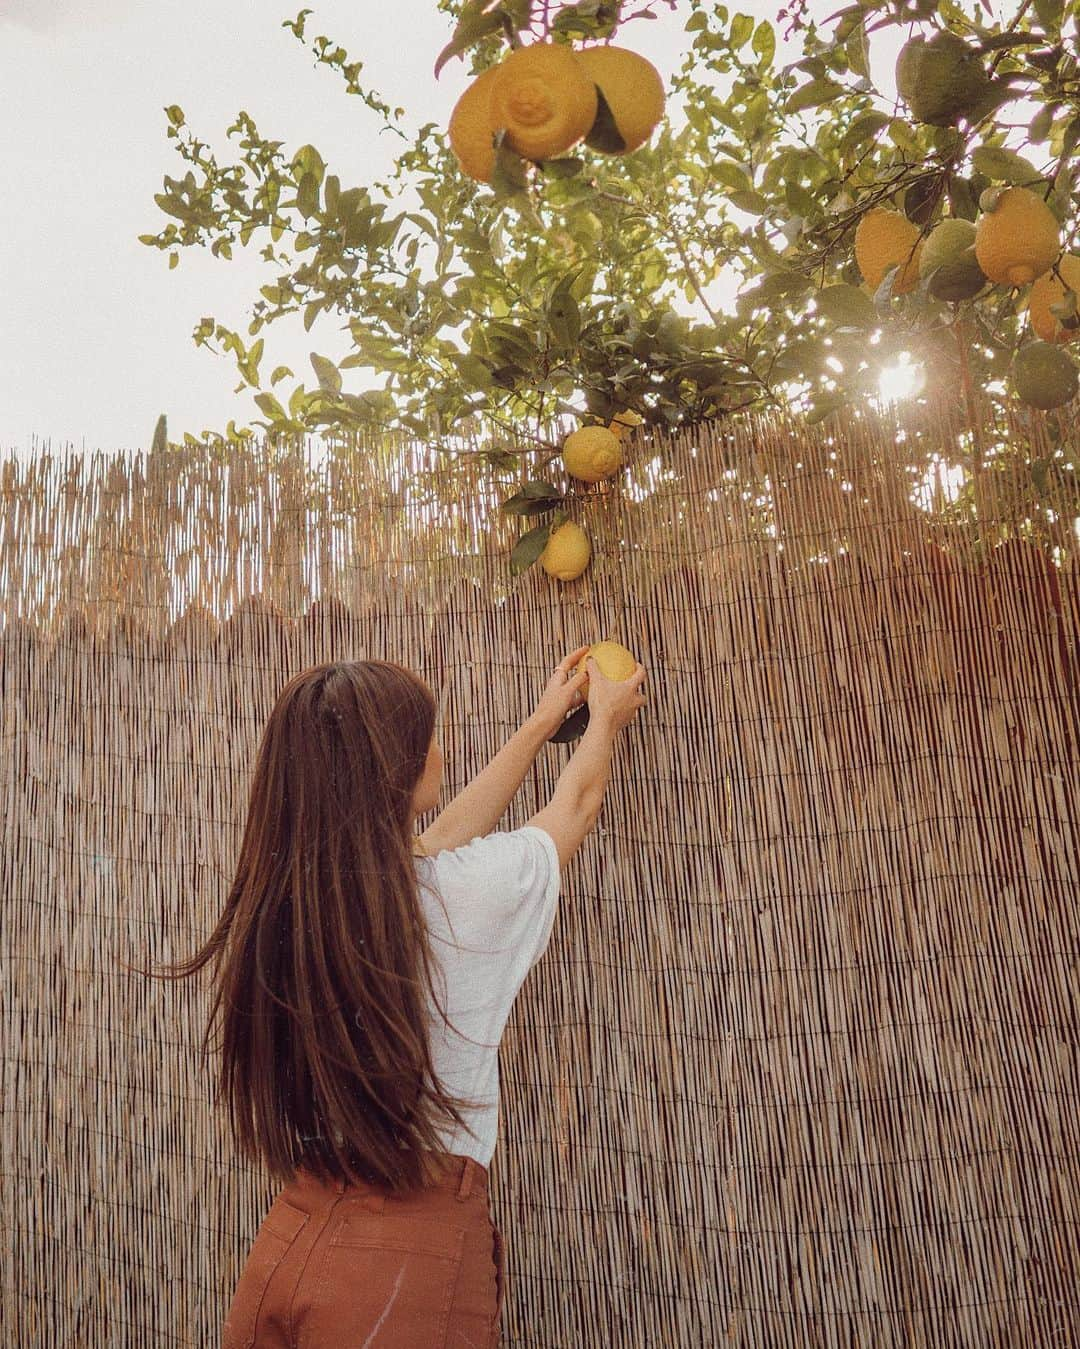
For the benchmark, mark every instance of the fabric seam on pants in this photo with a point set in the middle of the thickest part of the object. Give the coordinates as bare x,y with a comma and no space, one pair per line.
290,1326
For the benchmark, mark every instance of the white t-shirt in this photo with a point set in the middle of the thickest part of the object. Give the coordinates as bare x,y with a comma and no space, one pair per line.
500,892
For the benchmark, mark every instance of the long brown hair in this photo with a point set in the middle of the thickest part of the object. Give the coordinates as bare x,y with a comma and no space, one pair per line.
322,949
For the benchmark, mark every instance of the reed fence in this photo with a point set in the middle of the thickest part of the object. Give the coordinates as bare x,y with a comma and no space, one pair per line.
800,1065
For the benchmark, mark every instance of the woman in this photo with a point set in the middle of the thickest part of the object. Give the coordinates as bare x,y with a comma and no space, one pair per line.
365,977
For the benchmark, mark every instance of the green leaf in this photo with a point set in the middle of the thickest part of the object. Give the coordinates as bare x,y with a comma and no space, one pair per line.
564,317
511,174
962,199
1050,13
535,498
307,196
812,95
329,375
1004,166
863,128
847,306
752,202
175,114
536,488
473,25
742,25
731,175
764,43
857,51
279,373
562,168
270,405
528,548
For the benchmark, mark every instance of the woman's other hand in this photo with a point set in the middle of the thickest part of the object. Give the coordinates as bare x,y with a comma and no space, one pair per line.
562,694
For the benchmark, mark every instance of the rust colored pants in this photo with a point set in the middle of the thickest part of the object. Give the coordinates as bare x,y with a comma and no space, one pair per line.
347,1267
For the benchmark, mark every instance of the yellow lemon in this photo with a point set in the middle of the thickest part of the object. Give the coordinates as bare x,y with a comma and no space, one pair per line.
633,91
542,97
615,662
1019,239
567,552
592,453
1050,290
885,239
1044,376
471,134
624,422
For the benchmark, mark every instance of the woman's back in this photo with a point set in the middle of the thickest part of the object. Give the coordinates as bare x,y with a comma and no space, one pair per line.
499,896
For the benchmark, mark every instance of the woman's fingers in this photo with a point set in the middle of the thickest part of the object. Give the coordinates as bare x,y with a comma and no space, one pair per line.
572,658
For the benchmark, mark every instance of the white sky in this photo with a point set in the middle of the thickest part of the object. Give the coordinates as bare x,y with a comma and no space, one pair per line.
95,330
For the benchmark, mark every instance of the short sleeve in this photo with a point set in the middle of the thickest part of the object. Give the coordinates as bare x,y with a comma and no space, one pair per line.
512,882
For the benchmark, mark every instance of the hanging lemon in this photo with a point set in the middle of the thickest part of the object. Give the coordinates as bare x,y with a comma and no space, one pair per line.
592,453
632,98
614,660
543,98
948,259
885,239
1018,238
941,80
1050,290
1044,376
470,131
567,552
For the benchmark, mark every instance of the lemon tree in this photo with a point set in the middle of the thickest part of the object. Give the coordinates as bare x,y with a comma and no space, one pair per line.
554,254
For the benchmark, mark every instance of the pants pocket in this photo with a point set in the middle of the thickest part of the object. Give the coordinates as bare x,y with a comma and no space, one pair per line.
385,1277
279,1230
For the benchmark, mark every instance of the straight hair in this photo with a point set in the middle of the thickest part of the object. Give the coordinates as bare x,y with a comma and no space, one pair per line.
323,964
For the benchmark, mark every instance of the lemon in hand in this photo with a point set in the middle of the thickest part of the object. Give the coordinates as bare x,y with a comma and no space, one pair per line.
567,552
614,660
592,453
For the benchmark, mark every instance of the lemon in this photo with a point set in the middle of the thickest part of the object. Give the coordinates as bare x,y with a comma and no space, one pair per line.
567,552
1044,376
543,98
592,453
940,80
885,239
1019,239
633,91
614,660
1050,290
472,137
624,422
948,259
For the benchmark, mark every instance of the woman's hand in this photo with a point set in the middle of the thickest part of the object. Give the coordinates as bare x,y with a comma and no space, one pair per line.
562,694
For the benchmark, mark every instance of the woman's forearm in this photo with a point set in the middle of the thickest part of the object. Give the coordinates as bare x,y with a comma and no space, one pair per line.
479,807
587,774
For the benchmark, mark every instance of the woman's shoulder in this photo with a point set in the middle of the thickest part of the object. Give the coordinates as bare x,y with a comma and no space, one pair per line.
503,857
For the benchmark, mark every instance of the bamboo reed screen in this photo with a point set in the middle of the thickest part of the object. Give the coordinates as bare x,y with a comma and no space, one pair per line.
800,1065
